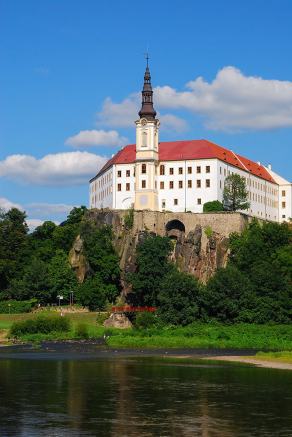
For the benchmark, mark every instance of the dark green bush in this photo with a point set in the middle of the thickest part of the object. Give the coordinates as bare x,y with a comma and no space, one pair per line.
145,320
41,325
81,331
16,306
214,206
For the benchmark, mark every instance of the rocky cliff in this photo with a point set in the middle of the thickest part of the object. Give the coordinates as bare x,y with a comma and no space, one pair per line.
200,240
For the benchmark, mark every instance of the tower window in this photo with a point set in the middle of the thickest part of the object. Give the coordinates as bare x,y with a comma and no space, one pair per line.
144,139
180,170
143,183
162,170
143,168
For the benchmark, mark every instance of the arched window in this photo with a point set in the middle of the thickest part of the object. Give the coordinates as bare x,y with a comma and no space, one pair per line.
144,168
162,170
144,139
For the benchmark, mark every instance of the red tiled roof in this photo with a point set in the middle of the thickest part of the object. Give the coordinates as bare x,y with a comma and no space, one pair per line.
191,150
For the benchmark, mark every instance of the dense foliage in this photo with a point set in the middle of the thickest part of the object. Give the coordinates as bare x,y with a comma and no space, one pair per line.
255,287
213,206
41,325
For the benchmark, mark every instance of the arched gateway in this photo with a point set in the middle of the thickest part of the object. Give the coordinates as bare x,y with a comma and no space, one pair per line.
175,229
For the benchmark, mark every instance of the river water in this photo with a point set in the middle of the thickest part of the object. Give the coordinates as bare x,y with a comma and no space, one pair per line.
55,395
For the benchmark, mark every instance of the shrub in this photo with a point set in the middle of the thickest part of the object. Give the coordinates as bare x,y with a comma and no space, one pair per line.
40,325
17,307
81,331
129,219
145,320
213,206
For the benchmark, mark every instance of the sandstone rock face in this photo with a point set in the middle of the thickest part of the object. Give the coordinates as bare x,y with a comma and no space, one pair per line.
77,260
200,241
117,320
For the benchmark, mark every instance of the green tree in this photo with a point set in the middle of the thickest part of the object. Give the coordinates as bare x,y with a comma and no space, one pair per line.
178,298
13,245
235,195
228,293
95,294
214,206
152,265
61,276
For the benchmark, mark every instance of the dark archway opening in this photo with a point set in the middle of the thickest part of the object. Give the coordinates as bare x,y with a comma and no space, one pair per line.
175,224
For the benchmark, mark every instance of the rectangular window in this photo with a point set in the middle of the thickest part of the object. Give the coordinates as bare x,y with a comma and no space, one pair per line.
163,204
143,183
180,184
162,170
189,170
207,169
119,173
283,204
171,185
221,185
119,187
198,183
127,187
189,184
199,201
175,201
283,193
208,183
162,185
224,171
171,171
220,170
180,170
143,171
198,169
128,173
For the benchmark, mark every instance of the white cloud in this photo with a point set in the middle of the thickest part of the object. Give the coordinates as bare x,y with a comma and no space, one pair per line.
60,169
170,122
47,209
94,137
7,204
233,101
121,114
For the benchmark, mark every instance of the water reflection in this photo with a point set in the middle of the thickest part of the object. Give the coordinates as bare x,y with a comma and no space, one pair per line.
142,397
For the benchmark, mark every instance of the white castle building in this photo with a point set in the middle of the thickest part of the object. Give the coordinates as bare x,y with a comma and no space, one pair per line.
181,176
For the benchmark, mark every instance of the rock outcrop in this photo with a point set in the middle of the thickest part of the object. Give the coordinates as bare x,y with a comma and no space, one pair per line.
200,240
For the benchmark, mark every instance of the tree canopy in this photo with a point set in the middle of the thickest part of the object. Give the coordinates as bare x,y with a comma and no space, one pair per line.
235,195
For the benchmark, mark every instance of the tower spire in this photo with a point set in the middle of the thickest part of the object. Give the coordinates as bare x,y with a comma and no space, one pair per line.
147,110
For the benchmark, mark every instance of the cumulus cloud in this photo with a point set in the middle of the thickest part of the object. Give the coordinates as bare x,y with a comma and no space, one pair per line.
121,114
60,169
48,209
7,204
94,138
233,101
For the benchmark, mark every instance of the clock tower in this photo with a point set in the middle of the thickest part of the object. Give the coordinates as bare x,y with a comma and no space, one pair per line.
146,164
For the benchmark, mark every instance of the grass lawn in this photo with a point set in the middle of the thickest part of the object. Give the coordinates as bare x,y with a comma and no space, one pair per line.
281,357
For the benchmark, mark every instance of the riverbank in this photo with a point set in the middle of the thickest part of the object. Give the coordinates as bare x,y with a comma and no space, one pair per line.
195,336
269,362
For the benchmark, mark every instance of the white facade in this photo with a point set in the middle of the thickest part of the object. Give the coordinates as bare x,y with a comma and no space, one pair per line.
186,185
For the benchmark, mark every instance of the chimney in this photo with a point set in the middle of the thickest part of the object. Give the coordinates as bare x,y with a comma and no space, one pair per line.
270,166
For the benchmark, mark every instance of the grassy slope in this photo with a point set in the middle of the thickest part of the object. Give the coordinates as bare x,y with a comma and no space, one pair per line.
263,337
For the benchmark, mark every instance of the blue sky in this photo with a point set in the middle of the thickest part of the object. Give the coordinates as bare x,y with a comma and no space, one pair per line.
71,70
